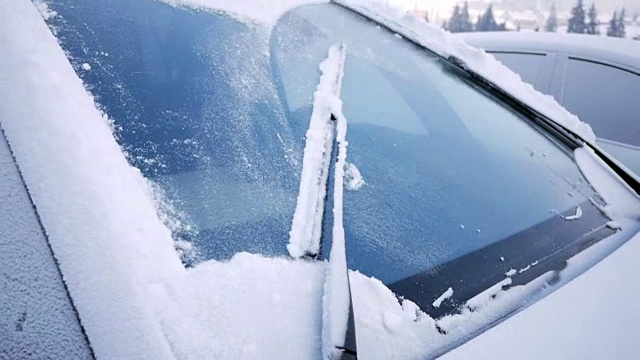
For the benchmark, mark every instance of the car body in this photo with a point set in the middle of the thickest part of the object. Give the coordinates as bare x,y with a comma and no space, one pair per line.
177,176
594,77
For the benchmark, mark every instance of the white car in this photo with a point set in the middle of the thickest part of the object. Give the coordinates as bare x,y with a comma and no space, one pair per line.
595,77
205,179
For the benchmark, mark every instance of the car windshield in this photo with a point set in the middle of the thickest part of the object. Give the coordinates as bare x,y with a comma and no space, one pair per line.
214,112
440,176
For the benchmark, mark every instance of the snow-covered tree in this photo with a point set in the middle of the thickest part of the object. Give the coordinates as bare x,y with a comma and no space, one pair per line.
465,19
552,21
460,20
487,21
616,25
593,26
455,22
577,20
612,29
621,27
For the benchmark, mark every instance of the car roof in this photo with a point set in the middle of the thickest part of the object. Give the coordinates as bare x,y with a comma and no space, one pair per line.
622,51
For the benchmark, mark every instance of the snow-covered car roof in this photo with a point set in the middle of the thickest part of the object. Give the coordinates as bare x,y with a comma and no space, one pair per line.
557,41
621,51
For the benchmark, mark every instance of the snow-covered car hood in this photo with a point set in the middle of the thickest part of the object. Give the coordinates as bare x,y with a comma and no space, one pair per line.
592,317
134,297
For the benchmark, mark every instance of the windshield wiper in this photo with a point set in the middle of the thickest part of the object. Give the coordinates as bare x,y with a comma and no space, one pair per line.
560,132
326,150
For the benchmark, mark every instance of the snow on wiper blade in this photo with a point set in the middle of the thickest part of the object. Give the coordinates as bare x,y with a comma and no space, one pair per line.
336,303
306,227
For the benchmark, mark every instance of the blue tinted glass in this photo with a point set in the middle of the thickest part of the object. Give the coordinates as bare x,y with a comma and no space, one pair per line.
215,112
447,169
527,65
195,108
605,97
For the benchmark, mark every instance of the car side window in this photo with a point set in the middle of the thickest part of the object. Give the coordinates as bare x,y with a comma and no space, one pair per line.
527,65
606,97
37,319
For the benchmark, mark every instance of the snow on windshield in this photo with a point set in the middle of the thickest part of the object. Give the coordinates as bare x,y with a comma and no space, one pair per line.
134,297
477,60
259,11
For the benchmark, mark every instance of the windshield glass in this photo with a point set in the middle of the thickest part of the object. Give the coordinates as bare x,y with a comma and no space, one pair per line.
194,107
214,111
438,169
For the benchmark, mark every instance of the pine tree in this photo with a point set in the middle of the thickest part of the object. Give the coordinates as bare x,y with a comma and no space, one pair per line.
552,22
621,28
487,21
465,19
577,20
613,28
455,22
593,26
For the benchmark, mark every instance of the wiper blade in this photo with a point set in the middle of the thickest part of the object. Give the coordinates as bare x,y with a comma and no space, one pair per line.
568,137
306,227
336,302
326,136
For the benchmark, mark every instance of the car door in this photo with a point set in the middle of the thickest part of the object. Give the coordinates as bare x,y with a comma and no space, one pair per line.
535,67
604,95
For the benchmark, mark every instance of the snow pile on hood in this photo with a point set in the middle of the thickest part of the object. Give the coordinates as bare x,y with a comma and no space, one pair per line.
134,297
445,44
258,11
392,328
251,307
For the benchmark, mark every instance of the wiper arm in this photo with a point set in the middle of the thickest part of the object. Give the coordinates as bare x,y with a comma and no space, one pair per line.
565,135
306,227
325,137
336,302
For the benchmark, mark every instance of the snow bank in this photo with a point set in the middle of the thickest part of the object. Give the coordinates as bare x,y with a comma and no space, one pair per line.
258,11
445,44
134,297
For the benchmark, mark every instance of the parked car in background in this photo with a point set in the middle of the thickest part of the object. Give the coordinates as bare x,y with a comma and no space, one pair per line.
595,77
332,181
